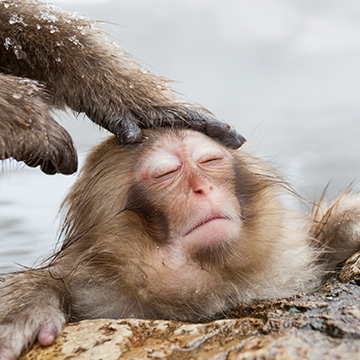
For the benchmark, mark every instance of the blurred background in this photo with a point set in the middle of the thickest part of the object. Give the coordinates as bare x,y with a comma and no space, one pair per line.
286,74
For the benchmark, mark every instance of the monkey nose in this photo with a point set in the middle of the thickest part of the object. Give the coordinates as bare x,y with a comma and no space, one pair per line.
202,188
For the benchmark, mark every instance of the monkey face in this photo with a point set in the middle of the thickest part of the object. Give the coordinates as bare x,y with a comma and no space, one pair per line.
190,183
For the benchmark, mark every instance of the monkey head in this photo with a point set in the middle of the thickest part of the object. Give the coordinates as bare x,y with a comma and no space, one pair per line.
172,221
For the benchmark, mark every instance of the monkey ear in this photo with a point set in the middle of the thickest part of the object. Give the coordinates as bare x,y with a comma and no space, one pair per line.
28,132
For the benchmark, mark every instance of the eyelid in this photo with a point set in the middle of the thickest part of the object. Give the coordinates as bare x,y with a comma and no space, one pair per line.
210,159
210,156
208,153
163,166
164,172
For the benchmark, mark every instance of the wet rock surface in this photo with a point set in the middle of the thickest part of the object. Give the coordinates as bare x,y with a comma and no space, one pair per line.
322,325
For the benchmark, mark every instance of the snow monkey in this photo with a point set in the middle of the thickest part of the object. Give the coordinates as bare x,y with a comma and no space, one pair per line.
177,227
53,59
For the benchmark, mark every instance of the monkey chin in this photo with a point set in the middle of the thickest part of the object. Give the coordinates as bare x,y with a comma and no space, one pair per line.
212,234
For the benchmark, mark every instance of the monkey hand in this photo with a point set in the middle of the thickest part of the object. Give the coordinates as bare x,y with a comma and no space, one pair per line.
104,82
204,121
42,325
28,132
178,115
30,310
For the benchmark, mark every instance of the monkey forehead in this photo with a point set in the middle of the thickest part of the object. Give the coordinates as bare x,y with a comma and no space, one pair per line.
187,143
178,147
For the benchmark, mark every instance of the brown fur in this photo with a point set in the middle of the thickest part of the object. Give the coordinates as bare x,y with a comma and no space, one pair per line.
27,130
122,255
81,69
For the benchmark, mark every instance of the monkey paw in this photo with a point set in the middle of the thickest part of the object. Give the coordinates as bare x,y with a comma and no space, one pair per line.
20,333
205,122
28,132
178,115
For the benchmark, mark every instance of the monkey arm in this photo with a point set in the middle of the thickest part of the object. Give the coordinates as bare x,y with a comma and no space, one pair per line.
28,132
83,70
38,313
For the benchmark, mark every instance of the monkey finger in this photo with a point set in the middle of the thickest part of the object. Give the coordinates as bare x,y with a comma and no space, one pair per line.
62,155
67,164
225,133
204,121
65,167
129,133
216,129
58,154
47,335
48,167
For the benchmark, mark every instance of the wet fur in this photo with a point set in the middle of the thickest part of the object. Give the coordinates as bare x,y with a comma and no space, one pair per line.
290,252
276,268
105,267
74,65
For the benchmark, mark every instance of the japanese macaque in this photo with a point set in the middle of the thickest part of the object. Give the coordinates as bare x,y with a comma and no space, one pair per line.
175,227
53,59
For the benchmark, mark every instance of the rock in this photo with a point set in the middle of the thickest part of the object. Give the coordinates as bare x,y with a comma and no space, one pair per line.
351,269
322,325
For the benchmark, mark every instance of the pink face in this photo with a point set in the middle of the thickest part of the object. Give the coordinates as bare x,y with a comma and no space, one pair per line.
194,177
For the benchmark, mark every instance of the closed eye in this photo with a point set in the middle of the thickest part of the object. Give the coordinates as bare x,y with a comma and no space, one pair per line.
210,160
166,172
209,155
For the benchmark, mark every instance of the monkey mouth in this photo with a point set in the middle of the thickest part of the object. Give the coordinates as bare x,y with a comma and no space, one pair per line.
204,222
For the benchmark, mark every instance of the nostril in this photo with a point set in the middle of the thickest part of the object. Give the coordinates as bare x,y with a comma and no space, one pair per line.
201,188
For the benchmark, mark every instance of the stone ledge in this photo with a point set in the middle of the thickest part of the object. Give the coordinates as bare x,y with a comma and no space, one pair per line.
322,325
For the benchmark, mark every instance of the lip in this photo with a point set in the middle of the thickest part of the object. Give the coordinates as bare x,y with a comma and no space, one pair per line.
205,221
